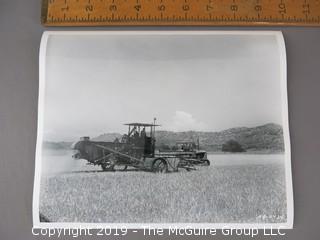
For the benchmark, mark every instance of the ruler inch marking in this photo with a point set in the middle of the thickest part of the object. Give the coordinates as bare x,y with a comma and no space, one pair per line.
180,12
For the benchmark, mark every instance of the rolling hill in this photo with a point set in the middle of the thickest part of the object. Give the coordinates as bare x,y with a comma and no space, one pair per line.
266,138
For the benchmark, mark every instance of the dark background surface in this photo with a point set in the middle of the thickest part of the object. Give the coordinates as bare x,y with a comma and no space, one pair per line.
20,33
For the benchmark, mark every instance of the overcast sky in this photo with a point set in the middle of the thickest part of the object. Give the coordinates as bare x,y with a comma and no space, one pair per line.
94,84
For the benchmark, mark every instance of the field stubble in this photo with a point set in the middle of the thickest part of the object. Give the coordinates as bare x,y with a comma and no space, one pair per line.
215,194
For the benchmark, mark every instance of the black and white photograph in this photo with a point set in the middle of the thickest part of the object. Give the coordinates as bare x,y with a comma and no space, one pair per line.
184,128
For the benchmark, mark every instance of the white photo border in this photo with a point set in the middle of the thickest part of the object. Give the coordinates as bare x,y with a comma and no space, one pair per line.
285,122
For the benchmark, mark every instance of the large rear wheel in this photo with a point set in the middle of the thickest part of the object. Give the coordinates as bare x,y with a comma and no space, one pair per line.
160,166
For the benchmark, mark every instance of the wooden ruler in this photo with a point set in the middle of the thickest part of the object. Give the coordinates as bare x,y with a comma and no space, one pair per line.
180,12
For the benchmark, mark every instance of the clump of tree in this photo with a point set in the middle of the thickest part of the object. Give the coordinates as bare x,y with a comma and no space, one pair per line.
232,146
164,147
174,148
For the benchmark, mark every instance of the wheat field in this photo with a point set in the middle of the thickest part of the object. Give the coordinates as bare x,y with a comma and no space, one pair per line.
215,194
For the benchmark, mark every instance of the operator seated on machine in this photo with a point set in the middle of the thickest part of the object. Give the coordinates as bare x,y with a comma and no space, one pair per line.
138,139
143,133
136,135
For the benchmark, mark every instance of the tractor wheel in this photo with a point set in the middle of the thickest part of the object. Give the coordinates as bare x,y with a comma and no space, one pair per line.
107,167
206,162
160,166
120,167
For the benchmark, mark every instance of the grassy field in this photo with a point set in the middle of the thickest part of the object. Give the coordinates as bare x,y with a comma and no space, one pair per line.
220,194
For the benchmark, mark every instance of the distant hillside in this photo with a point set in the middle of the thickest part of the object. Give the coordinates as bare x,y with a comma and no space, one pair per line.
57,145
107,137
268,138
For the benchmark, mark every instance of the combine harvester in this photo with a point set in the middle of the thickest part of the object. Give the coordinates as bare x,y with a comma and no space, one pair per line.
136,149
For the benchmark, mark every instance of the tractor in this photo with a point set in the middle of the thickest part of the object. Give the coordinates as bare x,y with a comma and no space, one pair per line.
187,151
